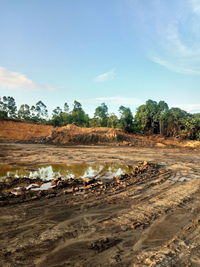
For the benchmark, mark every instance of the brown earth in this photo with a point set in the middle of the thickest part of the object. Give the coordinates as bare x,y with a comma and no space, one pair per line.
74,135
14,130
147,218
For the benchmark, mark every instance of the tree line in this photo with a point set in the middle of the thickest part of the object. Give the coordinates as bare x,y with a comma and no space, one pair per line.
150,118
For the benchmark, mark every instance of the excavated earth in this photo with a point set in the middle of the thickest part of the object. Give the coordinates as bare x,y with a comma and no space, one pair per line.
149,217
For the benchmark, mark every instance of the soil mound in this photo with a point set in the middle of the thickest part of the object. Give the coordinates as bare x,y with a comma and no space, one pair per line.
72,134
23,131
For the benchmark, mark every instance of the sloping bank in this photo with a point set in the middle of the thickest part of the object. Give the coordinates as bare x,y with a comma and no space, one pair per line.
73,135
22,131
67,135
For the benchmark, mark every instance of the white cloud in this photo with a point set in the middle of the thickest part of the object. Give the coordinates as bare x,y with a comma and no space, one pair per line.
104,77
13,80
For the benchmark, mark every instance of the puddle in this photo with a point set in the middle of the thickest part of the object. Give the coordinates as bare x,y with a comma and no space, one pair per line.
49,172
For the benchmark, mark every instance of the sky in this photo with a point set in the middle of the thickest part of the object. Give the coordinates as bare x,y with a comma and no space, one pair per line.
121,52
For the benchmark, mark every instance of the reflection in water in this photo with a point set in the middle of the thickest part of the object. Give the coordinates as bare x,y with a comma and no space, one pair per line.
66,171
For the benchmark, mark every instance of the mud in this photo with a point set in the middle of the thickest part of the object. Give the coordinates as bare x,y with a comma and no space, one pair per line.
149,217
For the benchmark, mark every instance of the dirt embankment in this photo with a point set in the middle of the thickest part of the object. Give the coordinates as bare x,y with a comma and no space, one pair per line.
13,130
74,135
70,134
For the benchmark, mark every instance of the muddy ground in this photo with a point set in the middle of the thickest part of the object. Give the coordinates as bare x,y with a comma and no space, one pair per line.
149,218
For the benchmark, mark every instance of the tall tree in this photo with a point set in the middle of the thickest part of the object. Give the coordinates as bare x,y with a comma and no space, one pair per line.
113,120
66,107
8,105
78,115
3,115
33,114
126,119
24,112
41,111
162,109
174,121
149,117
1,105
56,112
101,113
191,127
56,117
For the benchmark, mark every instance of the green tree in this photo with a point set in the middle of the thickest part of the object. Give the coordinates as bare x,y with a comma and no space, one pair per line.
94,122
191,127
149,117
126,119
60,118
33,116
41,111
8,105
1,105
162,109
56,112
78,115
66,107
174,121
113,120
56,117
145,116
101,113
24,112
3,115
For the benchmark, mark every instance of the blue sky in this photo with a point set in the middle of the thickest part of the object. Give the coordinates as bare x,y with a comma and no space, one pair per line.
121,52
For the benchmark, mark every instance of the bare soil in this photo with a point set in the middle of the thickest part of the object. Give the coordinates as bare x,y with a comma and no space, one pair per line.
15,131
148,218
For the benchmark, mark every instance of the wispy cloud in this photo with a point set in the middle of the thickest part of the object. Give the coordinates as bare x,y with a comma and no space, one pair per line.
171,33
13,80
104,77
176,68
173,42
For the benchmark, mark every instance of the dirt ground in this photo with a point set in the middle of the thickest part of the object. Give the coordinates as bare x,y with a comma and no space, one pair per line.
149,219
